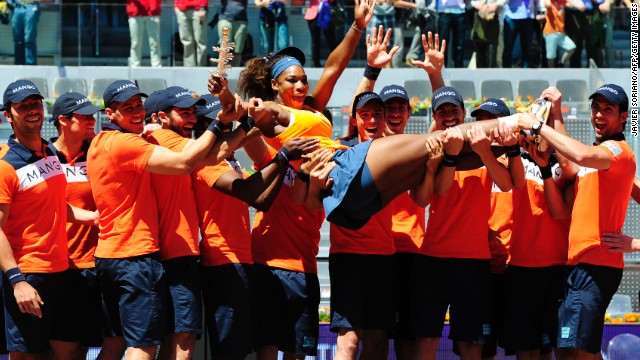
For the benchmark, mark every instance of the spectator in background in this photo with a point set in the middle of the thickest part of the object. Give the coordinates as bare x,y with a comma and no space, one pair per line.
519,19
486,31
233,15
144,14
311,15
24,23
423,21
192,26
384,14
451,27
585,26
273,23
554,35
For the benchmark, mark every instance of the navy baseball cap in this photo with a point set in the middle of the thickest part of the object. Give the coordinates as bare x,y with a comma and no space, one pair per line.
446,95
290,51
614,94
18,91
210,108
493,106
173,96
73,103
394,91
362,99
120,91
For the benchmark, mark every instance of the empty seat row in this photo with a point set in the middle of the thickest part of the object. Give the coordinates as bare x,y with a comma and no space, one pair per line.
62,85
572,90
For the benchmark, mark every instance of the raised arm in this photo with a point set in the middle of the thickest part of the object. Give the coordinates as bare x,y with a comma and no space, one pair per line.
340,57
481,145
433,59
423,193
377,58
584,155
569,168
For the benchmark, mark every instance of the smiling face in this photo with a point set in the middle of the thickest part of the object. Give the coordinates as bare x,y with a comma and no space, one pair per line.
396,116
448,115
182,121
27,116
291,87
369,121
129,115
82,126
606,118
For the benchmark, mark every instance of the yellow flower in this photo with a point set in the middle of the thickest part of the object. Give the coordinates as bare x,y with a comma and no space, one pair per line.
631,317
607,317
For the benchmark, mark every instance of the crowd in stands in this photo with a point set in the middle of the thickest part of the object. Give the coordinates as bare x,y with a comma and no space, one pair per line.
128,238
480,33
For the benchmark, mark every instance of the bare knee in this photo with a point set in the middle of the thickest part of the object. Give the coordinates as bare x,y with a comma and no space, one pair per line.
469,351
426,348
64,350
140,353
347,344
113,348
375,345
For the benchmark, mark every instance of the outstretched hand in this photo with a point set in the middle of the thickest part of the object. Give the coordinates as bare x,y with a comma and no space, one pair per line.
363,12
377,42
433,54
298,146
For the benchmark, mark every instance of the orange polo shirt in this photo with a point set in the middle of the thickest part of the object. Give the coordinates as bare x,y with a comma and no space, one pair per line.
123,195
224,220
500,223
457,226
602,197
286,236
537,240
177,214
33,185
407,224
82,239
374,238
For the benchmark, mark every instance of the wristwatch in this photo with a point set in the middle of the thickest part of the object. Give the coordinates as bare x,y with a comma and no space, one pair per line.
535,128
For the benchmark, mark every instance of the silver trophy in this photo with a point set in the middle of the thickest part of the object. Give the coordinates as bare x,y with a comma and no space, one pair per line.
225,54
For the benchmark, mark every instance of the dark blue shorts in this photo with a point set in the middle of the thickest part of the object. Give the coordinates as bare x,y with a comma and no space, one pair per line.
3,337
463,285
533,300
362,291
134,294
227,309
589,290
353,198
61,319
285,310
85,299
405,283
498,304
184,302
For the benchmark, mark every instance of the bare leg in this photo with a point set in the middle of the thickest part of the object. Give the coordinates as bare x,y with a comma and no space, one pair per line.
113,348
470,351
528,355
63,350
144,353
405,349
375,345
179,346
267,353
398,163
347,344
15,355
426,348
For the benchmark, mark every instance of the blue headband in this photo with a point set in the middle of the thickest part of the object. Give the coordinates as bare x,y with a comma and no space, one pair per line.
283,64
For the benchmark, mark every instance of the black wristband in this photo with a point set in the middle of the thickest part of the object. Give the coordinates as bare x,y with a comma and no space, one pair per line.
303,176
283,155
545,172
247,123
450,160
512,151
215,127
371,73
15,276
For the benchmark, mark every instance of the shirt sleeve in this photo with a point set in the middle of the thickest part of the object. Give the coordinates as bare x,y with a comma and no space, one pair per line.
9,183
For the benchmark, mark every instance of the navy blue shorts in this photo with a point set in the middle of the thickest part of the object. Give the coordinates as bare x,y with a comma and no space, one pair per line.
405,283
588,291
227,309
61,319
463,285
353,198
533,300
134,294
285,309
362,291
3,336
184,302
84,297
